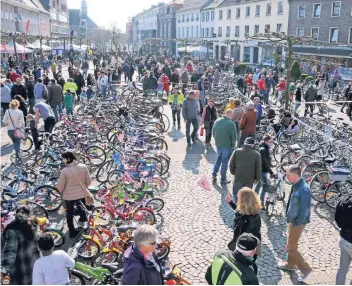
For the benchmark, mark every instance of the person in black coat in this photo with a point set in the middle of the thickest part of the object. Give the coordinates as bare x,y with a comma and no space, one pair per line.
18,88
90,80
22,107
79,80
175,78
130,72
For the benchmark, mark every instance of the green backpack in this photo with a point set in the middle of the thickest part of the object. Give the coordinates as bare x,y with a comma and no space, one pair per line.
225,272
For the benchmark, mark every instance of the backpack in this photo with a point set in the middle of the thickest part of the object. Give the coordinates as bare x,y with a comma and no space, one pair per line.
225,272
343,213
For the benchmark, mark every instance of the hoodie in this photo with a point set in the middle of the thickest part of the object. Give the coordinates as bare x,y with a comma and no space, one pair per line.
137,270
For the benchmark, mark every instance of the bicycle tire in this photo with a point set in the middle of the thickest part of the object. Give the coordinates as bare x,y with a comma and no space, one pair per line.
104,169
310,170
54,193
159,143
29,140
162,251
76,278
156,204
143,216
36,209
114,176
99,160
330,198
91,254
57,234
318,185
105,257
104,216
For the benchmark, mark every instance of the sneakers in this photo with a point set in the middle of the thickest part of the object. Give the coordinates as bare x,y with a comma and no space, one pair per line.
189,145
225,182
179,127
214,179
284,266
303,277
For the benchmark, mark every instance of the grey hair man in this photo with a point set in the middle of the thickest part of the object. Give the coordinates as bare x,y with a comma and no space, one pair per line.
141,264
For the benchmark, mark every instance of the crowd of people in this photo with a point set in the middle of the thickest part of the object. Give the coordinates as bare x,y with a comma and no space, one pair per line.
27,96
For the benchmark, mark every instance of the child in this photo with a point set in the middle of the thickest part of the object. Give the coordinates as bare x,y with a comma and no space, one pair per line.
89,92
51,268
34,132
69,100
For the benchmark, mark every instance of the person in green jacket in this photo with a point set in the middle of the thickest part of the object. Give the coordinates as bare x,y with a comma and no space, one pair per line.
225,135
176,105
69,100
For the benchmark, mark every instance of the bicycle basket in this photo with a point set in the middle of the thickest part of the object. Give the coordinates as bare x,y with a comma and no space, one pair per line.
339,173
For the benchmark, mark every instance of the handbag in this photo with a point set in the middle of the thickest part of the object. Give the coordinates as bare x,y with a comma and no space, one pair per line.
18,132
206,124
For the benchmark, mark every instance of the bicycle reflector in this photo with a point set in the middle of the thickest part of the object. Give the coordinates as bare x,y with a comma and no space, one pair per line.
171,282
116,158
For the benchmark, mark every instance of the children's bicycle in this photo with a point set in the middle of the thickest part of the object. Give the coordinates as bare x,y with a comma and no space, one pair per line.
275,193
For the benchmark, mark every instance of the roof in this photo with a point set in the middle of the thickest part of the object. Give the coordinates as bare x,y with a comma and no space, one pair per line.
193,5
172,2
213,4
33,4
74,19
45,4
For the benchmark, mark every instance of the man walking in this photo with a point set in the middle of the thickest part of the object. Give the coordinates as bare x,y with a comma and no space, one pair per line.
176,99
40,91
189,114
248,123
225,135
55,98
30,94
343,218
19,88
298,215
246,166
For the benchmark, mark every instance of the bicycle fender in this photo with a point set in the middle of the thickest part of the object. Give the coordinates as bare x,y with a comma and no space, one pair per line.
89,237
56,230
107,250
75,271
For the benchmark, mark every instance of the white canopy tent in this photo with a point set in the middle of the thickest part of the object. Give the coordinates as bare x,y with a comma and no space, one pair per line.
9,49
36,46
199,49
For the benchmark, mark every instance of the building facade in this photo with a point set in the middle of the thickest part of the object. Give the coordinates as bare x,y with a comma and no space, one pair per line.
166,30
59,17
80,24
327,21
236,20
16,14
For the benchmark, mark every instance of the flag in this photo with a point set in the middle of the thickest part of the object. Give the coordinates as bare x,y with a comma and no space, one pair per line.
27,27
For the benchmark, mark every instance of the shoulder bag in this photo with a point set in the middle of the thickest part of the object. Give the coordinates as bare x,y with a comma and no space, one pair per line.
18,132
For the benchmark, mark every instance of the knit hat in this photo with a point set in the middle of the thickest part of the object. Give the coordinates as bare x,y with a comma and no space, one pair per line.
247,242
249,141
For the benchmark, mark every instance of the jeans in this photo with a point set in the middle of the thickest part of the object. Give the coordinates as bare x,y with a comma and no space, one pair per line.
208,132
224,155
202,96
49,124
178,113
69,110
294,256
35,136
237,185
194,122
345,261
262,94
16,142
57,108
103,89
244,136
261,187
69,212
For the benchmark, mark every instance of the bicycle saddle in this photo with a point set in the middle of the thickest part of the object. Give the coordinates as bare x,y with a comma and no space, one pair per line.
27,180
112,267
125,228
140,150
54,164
148,192
44,172
130,201
330,160
345,124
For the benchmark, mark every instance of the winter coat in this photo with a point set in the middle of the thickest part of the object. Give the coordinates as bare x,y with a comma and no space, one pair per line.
248,122
165,81
19,89
55,93
311,94
72,179
150,83
190,109
225,133
30,89
5,94
184,77
216,78
137,270
266,159
175,78
343,216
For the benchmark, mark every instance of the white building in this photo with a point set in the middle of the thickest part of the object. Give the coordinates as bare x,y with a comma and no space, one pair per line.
188,21
237,19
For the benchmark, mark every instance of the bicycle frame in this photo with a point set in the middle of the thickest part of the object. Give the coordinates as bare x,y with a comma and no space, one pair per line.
98,273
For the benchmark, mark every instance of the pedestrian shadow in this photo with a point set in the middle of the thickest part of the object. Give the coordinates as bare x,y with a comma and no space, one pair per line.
326,213
265,264
193,157
6,149
175,134
227,214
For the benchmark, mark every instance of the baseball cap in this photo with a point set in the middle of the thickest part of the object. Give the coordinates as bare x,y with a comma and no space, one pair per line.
247,242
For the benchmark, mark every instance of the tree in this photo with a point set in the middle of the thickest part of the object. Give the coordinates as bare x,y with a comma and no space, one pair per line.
295,71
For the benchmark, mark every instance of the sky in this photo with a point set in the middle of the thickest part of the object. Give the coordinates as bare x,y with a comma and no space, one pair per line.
106,12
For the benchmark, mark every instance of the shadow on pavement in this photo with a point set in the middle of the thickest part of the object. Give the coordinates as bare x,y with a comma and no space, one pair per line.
6,149
324,212
193,157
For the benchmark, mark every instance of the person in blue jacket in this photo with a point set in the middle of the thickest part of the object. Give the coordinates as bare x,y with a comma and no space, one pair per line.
141,265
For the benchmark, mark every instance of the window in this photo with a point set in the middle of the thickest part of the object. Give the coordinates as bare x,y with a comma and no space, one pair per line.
228,14
316,10
246,31
202,32
315,33
238,13
257,10
197,31
187,32
212,15
187,17
212,32
191,31
334,34
237,31
183,17
197,17
179,19
192,18
350,36
228,31
268,9
300,32
207,16
267,28
248,11
203,16
183,32
220,15
246,54
280,8
278,28
220,32
207,32
301,11
336,9
179,32
256,29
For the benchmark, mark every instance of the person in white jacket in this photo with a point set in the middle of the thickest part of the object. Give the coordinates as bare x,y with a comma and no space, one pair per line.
103,84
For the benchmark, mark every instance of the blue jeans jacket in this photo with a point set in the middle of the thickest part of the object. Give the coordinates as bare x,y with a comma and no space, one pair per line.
299,204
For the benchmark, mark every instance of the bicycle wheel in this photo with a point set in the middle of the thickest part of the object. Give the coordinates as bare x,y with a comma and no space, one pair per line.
318,185
36,209
150,164
96,155
88,249
158,144
335,191
303,161
26,144
310,170
166,121
104,257
49,197
162,251
104,170
143,216
157,184
77,279
101,216
58,236
269,208
114,176
156,204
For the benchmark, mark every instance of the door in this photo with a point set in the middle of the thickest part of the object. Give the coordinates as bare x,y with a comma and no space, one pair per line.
217,53
223,53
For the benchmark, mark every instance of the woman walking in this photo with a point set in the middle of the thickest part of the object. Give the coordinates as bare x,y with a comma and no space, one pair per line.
21,247
14,118
247,216
5,97
73,183
209,116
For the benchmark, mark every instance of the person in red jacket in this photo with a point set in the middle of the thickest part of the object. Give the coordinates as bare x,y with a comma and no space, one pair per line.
262,88
189,67
165,82
14,76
